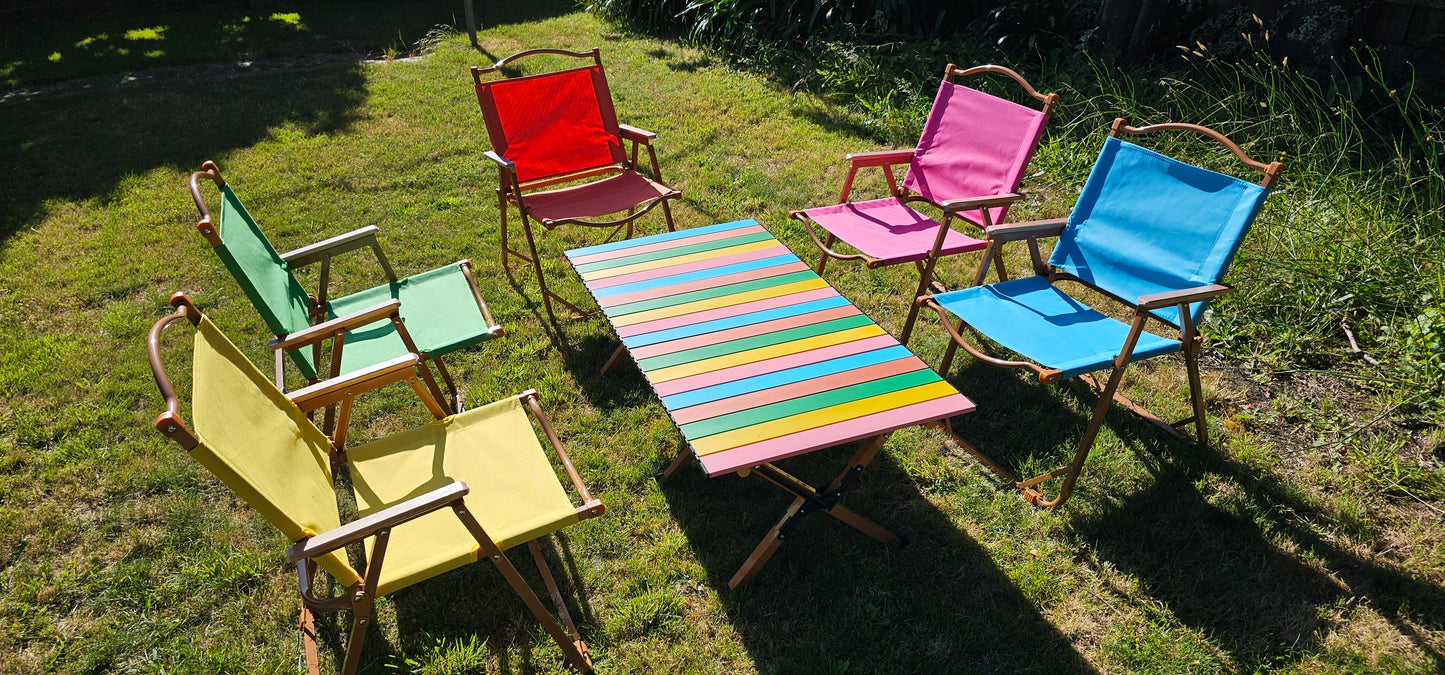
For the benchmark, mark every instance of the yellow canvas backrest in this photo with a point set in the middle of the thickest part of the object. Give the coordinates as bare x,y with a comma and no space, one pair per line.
261,445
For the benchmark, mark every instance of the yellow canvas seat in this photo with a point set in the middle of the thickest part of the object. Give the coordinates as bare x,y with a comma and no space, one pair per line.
430,499
494,447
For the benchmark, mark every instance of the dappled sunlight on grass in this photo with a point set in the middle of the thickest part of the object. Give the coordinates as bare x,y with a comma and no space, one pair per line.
1256,553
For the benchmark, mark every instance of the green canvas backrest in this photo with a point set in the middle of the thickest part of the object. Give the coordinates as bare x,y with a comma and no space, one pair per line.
262,446
259,269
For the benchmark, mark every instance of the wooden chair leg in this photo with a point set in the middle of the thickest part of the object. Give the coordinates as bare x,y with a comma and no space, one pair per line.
667,216
1196,393
823,257
950,352
308,640
360,623
576,655
1071,474
537,265
502,210
998,264
925,279
551,583
579,659
457,404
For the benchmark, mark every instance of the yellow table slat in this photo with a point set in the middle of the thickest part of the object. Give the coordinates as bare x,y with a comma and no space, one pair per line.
761,353
817,418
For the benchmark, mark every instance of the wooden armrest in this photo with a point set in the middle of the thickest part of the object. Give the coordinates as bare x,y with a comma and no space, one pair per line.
350,241
984,202
501,161
1032,229
636,135
879,157
362,528
1182,296
324,330
366,379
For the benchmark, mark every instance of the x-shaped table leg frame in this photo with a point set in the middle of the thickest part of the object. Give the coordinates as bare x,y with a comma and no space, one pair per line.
809,499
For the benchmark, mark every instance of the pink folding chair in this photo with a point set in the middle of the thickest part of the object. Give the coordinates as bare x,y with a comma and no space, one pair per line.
968,164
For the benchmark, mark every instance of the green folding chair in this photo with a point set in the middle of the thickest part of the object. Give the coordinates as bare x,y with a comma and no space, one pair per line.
431,314
1151,232
430,499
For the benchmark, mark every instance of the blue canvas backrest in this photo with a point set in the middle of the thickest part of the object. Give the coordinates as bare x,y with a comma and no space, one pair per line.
1146,223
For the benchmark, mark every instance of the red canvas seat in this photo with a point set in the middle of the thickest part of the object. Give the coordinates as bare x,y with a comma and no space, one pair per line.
559,128
610,195
968,163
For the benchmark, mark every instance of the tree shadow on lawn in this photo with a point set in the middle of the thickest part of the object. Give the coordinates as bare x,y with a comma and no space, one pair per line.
43,43
834,600
78,148
1217,562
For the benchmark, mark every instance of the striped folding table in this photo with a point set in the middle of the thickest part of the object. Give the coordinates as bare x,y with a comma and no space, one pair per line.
756,359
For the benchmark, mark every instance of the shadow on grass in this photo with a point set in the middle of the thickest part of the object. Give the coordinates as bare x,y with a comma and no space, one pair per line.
80,148
1214,561
472,605
45,43
1248,566
834,600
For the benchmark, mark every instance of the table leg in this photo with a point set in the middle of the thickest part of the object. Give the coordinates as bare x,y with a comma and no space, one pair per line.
809,499
684,457
612,360
765,548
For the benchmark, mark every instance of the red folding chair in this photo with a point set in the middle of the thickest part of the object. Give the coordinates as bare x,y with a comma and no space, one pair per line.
968,164
559,129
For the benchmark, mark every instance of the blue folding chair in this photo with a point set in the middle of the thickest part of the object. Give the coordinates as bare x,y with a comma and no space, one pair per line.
1149,231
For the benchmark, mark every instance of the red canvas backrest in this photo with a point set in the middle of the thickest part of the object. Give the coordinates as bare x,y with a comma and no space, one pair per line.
553,123
973,145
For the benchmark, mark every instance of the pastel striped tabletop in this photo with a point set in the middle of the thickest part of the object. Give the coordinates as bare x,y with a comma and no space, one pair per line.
754,356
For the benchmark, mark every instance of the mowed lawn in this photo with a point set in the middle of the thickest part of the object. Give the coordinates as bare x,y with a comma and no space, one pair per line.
120,553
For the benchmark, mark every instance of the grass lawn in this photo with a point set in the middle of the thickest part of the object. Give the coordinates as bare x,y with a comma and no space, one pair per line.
1282,546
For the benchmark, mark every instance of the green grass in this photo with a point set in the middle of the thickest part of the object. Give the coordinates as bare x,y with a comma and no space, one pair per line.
1293,543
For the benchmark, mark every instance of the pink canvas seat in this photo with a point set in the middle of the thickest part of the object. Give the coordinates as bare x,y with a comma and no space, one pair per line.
890,232
968,163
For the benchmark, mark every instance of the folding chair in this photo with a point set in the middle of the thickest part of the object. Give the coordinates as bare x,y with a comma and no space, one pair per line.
560,128
1148,231
484,465
968,163
431,314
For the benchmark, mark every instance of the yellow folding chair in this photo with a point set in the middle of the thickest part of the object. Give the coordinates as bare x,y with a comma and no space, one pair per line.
485,465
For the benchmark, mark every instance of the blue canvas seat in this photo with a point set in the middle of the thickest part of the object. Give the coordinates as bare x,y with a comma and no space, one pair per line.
1148,231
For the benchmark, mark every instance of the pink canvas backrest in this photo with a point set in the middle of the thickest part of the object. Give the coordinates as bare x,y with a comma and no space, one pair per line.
973,145
553,123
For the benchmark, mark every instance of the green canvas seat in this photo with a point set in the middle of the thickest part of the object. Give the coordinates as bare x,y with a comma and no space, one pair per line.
431,314
432,498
